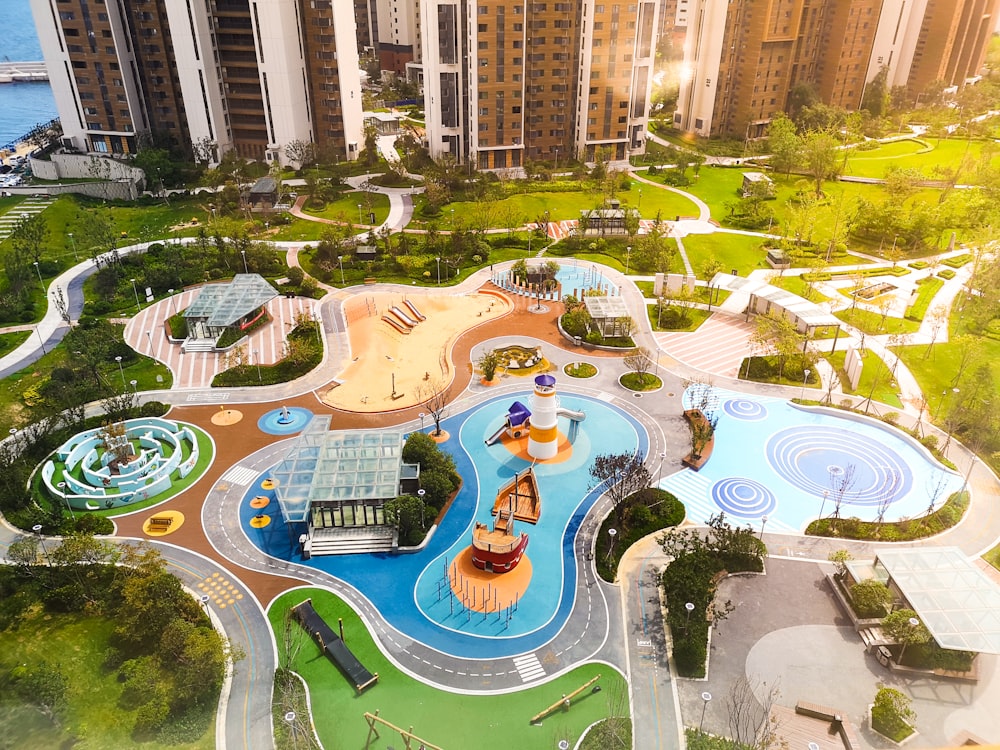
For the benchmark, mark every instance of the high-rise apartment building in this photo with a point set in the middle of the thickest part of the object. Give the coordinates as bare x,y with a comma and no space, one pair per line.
507,82
248,75
744,58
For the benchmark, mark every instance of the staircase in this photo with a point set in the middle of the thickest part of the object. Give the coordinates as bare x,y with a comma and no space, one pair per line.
350,540
198,345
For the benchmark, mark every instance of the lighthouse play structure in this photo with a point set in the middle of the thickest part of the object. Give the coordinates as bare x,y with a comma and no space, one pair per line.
543,438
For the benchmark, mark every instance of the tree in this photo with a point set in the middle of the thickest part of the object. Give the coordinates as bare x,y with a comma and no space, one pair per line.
488,364
784,144
749,705
619,476
904,627
840,558
301,152
29,236
891,712
840,484
820,159
434,398
406,513
870,597
639,362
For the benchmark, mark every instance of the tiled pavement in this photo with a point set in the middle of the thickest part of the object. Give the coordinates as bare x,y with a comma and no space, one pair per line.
717,347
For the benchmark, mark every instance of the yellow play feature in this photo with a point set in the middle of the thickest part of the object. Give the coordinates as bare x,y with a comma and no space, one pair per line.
260,521
163,523
225,417
220,590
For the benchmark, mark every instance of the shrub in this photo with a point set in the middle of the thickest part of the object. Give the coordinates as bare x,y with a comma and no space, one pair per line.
870,598
690,653
891,714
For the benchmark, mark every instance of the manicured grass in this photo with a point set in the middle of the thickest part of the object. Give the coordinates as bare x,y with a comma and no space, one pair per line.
993,557
696,316
658,201
873,373
485,722
10,341
345,209
739,251
96,716
871,322
580,370
634,382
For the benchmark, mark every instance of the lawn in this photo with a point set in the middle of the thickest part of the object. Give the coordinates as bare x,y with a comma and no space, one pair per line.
873,373
449,720
925,155
10,341
345,209
696,315
871,323
738,251
96,717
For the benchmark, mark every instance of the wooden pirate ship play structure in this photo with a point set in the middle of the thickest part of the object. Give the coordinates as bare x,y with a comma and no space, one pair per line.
499,550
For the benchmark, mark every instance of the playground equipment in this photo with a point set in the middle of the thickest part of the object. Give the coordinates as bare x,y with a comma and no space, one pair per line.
406,735
543,437
333,646
500,550
565,701
109,467
413,309
395,324
403,318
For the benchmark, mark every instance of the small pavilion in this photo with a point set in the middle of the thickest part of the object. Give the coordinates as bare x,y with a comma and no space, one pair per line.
217,307
608,314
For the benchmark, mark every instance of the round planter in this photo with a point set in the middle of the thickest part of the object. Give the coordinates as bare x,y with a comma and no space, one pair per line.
648,390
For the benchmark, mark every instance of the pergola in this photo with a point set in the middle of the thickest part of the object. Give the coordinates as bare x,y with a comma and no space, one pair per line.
219,306
607,313
763,298
956,601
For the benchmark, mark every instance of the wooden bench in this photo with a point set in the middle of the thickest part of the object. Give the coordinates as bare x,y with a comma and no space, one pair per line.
838,725
160,523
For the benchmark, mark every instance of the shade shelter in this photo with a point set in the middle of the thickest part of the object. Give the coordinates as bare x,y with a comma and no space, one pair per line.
609,314
217,307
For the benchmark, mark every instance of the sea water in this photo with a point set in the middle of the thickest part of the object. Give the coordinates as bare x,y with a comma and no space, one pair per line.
22,105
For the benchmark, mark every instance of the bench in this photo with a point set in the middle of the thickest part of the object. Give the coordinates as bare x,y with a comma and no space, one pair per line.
838,725
160,523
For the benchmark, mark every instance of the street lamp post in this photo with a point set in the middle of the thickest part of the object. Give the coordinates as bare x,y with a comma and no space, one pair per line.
37,528
805,379
135,291
639,207
438,261
118,359
913,622
360,219
72,243
245,268
689,606
705,697
62,491
149,336
135,386
173,302
826,494
256,356
421,415
659,474
628,258
763,523
40,339
612,532
340,260
39,272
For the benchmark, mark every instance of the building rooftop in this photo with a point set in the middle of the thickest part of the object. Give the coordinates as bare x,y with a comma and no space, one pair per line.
808,312
955,600
222,305
341,465
602,308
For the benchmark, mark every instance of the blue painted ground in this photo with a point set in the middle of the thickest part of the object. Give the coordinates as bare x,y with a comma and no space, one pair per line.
404,587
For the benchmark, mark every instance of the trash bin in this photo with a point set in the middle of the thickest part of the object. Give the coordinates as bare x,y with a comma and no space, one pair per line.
884,655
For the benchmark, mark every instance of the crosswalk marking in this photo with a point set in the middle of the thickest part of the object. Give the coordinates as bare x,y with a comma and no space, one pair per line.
209,396
528,667
239,475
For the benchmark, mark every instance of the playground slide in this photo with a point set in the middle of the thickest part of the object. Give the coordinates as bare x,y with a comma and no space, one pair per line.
495,436
334,648
395,324
575,416
413,309
406,319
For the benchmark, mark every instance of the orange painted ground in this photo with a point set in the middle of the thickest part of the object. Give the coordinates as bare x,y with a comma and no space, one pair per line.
226,417
519,447
419,360
491,591
220,590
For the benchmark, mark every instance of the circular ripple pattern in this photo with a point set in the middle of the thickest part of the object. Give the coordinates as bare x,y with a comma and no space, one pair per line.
745,409
818,460
743,497
284,421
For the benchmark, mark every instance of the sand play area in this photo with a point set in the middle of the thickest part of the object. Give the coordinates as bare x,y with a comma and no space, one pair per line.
406,346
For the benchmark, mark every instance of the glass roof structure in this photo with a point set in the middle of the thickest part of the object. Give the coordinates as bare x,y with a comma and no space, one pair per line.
602,308
345,465
801,309
956,601
221,305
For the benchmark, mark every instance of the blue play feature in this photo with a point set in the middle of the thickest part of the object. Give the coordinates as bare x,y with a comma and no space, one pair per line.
284,421
790,463
404,588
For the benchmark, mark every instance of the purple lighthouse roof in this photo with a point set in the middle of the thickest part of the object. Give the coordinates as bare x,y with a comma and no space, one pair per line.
545,380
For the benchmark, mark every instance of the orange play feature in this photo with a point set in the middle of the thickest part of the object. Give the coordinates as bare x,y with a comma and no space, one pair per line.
519,447
487,592
261,501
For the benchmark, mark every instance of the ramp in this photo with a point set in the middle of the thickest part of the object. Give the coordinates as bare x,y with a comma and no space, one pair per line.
334,648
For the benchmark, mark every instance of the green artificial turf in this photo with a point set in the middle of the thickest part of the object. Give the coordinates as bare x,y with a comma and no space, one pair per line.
449,720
